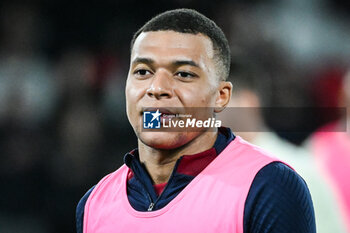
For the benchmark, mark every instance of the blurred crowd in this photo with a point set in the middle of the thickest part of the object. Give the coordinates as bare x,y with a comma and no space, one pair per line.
63,126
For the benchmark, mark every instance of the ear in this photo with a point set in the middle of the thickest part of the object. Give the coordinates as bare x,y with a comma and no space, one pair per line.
224,96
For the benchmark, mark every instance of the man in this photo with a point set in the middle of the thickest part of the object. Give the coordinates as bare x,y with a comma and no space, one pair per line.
196,180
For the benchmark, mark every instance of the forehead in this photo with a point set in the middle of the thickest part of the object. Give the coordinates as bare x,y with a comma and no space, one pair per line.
169,44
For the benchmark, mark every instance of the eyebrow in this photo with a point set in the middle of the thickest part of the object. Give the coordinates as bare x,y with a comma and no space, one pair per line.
150,61
185,62
143,60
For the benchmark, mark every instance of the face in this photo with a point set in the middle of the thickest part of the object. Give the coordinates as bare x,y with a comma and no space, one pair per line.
171,69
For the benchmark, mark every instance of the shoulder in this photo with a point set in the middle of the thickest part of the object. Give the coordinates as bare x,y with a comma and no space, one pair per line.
277,177
110,181
278,198
83,201
277,172
245,153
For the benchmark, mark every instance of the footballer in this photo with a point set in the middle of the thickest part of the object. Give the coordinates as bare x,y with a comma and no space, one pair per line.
196,181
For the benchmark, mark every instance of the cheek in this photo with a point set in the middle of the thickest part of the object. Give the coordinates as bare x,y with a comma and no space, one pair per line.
196,97
133,94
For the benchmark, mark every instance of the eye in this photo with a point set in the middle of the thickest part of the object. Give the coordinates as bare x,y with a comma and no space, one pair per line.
183,74
142,72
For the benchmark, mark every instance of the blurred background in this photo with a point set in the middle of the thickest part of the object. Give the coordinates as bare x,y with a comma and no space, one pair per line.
63,67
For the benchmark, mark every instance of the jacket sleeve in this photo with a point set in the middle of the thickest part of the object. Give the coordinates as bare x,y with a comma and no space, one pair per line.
278,201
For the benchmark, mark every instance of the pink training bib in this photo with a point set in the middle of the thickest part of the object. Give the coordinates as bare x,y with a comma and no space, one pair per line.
213,202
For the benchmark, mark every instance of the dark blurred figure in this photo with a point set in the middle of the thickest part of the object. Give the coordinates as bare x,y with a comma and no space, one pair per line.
87,128
78,133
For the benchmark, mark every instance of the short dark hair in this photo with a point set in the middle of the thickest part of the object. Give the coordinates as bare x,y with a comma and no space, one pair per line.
193,22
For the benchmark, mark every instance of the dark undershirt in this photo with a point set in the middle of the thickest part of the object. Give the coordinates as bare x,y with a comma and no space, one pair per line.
278,200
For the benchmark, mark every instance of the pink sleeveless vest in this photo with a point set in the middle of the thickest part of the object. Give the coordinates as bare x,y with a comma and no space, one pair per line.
213,202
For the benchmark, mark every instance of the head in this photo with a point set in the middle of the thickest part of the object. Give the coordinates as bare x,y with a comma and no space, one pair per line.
179,58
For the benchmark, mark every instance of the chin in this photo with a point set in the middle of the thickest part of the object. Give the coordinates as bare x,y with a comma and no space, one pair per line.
164,140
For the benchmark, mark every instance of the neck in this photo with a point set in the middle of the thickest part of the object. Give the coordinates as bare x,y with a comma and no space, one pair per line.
160,162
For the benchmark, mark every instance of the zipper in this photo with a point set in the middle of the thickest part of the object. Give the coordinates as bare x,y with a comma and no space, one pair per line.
152,204
150,207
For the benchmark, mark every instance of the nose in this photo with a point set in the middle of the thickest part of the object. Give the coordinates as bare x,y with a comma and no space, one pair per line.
161,86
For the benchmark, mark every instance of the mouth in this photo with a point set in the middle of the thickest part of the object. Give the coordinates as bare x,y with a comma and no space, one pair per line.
166,113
